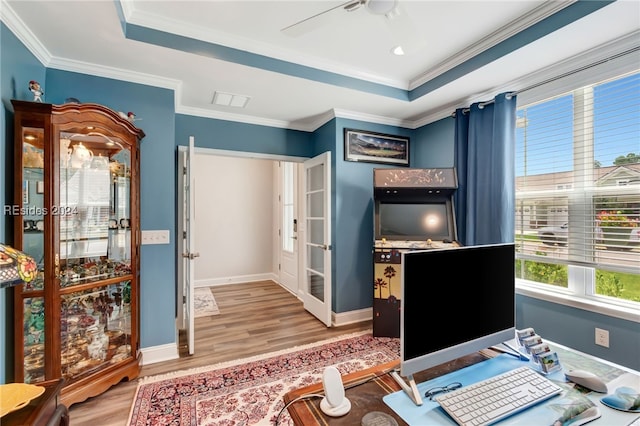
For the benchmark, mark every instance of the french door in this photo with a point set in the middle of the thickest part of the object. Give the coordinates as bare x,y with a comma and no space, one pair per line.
317,244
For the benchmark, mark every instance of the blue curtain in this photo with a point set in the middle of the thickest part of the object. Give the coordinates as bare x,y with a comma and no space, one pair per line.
485,164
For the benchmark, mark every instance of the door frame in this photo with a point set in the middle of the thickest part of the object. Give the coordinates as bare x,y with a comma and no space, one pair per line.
257,156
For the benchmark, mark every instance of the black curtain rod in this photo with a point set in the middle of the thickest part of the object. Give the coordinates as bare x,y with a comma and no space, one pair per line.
558,77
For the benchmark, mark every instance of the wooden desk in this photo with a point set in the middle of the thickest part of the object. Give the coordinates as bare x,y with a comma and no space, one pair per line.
366,397
369,396
46,410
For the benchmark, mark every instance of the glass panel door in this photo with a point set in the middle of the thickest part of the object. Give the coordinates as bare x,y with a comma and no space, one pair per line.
317,291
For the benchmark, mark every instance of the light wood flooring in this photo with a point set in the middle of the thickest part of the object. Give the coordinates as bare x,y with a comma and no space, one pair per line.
255,318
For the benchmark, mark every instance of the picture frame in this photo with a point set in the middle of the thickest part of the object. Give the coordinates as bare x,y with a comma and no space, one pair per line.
40,187
373,147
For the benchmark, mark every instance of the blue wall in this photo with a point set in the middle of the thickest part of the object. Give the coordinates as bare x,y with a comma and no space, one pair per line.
228,135
17,67
353,217
157,185
352,193
575,328
435,144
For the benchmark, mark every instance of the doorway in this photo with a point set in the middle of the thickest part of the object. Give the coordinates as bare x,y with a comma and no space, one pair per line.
242,204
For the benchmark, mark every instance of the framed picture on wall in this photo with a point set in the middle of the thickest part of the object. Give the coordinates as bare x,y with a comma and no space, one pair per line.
371,147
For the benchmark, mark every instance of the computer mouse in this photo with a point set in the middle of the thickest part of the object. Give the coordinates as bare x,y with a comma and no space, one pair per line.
587,379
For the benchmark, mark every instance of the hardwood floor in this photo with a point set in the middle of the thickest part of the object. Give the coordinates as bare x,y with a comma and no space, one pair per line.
255,318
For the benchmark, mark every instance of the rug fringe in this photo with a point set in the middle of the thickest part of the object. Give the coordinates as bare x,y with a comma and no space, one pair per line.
180,373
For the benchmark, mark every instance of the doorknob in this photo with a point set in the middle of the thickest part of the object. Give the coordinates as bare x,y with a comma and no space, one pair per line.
191,256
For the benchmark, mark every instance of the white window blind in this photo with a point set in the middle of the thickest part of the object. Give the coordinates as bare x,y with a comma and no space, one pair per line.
578,177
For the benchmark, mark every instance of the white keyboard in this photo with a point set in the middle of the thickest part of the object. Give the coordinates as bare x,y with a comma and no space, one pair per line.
493,399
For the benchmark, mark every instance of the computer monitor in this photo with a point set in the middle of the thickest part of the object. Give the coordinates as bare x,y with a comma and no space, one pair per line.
454,302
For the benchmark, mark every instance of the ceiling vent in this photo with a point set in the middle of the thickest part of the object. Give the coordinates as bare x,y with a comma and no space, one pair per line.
229,99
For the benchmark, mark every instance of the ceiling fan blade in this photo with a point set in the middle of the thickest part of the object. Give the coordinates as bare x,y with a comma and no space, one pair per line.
320,19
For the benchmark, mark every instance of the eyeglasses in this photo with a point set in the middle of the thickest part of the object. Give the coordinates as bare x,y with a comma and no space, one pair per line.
442,389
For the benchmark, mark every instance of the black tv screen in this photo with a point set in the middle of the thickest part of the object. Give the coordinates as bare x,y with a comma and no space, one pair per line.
455,302
411,221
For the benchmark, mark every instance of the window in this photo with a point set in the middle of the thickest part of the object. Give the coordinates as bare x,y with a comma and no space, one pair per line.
288,231
578,192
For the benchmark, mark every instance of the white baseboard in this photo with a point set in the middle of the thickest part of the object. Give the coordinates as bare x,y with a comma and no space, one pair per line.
351,317
155,354
240,279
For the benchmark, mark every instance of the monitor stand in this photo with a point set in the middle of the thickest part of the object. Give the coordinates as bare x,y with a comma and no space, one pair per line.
411,388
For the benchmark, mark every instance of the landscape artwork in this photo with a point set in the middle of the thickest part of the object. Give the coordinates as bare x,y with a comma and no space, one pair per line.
372,147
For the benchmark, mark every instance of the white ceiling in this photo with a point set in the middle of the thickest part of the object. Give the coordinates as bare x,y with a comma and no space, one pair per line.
88,37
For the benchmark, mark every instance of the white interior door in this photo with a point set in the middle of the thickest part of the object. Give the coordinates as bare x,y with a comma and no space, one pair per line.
186,246
317,245
288,265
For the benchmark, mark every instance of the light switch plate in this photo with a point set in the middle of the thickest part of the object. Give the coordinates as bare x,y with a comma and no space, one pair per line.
155,237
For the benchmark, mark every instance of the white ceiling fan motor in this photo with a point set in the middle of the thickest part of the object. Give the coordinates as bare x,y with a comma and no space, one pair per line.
381,7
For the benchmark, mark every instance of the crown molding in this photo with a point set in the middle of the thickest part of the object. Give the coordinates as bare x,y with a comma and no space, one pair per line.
208,35
114,73
608,60
240,118
23,33
352,115
514,27
546,75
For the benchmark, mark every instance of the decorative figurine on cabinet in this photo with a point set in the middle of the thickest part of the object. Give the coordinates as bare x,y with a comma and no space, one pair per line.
37,91
128,116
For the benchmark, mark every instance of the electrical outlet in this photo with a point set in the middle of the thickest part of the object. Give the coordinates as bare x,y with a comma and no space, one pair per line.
155,237
602,337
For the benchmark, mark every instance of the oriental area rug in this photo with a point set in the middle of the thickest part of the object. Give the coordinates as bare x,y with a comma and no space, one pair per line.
250,391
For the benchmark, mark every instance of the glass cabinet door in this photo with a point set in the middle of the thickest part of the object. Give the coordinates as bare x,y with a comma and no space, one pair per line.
33,210
94,208
95,329
94,247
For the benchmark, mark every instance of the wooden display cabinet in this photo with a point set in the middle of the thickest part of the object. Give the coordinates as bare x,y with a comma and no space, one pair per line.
76,211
